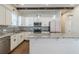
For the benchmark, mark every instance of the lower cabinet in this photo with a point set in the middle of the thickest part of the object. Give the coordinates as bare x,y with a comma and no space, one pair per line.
13,42
26,35
20,38
16,40
5,45
8,43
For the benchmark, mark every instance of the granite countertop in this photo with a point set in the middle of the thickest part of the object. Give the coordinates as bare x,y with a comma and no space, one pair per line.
44,35
53,35
6,34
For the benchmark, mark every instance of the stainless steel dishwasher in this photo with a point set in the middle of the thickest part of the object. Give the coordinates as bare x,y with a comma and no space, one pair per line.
5,45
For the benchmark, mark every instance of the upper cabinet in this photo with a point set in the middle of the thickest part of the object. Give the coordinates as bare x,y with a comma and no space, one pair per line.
14,19
19,20
2,15
8,17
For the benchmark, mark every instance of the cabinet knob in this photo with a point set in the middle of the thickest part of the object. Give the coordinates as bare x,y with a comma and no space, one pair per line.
14,40
21,36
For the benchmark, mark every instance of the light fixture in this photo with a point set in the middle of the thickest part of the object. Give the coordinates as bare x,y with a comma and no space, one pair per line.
72,5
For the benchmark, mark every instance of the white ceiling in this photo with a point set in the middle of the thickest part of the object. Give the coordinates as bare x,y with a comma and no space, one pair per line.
24,12
45,5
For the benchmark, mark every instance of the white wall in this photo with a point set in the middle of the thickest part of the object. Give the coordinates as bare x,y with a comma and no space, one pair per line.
53,46
75,20
67,17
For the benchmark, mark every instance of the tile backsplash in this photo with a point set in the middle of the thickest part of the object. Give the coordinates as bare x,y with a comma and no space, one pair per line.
4,29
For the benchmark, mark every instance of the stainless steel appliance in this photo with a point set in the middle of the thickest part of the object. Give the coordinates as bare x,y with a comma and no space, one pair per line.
37,27
5,45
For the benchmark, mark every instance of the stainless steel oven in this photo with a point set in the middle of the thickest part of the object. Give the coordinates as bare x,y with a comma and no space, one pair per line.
37,27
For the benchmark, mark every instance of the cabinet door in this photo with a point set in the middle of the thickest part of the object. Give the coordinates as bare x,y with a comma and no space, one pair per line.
16,40
8,17
2,15
58,26
52,26
14,19
13,42
26,35
29,21
19,38
19,21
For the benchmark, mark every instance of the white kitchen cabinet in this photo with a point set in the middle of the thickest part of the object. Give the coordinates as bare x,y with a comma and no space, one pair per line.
55,25
13,42
26,35
16,39
54,46
19,20
8,17
20,38
2,15
23,36
14,19
29,21
58,26
52,26
41,46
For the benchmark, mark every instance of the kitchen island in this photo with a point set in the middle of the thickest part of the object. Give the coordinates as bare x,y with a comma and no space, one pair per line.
9,41
53,43
45,43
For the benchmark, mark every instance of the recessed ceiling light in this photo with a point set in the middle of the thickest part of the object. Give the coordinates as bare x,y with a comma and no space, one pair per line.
72,5
46,4
21,4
